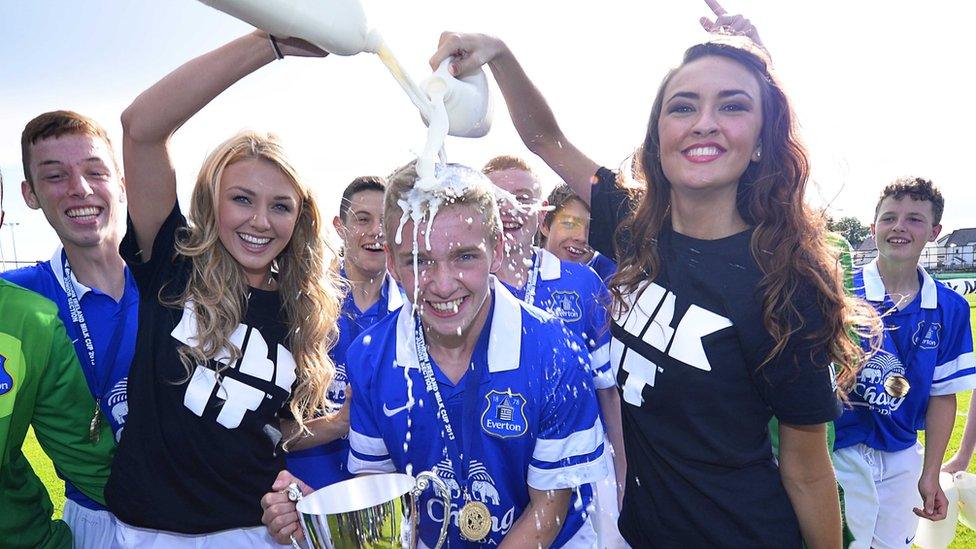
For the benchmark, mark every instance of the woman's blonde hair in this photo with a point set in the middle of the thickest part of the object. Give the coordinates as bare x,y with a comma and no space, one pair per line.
218,288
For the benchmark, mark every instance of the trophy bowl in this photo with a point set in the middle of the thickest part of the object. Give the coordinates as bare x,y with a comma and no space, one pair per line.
371,511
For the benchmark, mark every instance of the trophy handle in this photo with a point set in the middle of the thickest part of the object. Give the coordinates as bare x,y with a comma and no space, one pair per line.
424,480
294,494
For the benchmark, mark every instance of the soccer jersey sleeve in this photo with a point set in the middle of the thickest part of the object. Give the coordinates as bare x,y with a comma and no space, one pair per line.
367,449
798,383
955,368
569,449
598,335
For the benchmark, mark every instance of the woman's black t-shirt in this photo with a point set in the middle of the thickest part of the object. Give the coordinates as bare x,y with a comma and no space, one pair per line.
696,404
197,454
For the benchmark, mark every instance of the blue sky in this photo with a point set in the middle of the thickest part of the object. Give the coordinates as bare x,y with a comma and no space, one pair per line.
881,88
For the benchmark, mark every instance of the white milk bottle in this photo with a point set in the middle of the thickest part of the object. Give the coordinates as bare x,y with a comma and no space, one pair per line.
938,535
966,484
336,26
466,99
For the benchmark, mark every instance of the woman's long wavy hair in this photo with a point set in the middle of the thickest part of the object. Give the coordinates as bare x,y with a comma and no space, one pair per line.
790,242
218,288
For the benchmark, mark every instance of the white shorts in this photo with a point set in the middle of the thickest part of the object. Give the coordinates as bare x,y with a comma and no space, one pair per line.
89,528
880,491
605,517
127,536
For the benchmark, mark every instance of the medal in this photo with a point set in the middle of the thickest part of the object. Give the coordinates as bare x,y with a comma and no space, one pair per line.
475,521
897,386
95,427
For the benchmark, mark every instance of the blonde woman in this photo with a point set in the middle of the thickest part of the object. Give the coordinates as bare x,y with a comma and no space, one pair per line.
237,315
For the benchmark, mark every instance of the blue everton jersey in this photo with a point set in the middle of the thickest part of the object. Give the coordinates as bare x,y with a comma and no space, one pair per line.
536,415
928,342
603,266
326,464
574,294
105,318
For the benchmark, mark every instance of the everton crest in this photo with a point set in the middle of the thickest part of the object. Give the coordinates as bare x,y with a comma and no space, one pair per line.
929,340
504,416
565,306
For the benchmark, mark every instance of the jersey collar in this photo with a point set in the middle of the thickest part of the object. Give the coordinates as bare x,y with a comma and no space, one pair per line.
874,289
549,267
58,268
503,350
394,299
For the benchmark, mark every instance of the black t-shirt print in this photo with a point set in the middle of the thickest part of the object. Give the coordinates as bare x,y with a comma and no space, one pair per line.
199,451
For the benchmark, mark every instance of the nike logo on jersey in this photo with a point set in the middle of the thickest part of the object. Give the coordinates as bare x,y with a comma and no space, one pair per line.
390,412
238,396
650,320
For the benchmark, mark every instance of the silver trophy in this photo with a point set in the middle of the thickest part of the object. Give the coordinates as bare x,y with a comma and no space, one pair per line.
371,511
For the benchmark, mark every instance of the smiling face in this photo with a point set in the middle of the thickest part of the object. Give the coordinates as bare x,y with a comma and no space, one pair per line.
256,212
567,236
362,235
453,275
77,186
902,228
519,220
710,124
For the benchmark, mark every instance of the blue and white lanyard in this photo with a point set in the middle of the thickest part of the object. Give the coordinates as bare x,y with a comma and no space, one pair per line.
78,318
472,436
533,279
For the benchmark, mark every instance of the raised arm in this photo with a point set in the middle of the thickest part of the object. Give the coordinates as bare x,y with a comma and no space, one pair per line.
158,112
530,113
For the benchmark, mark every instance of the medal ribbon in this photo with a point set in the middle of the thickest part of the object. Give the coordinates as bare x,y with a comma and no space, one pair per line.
533,278
472,439
81,326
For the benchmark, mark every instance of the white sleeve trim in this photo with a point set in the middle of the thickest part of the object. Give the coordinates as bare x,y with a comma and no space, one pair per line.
568,477
953,386
579,443
369,446
600,356
961,362
604,379
357,466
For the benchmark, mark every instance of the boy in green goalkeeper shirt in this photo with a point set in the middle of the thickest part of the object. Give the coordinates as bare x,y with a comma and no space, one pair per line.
41,385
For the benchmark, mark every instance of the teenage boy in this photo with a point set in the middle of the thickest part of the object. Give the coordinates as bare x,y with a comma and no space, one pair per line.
565,231
466,369
42,386
910,383
372,295
573,293
72,176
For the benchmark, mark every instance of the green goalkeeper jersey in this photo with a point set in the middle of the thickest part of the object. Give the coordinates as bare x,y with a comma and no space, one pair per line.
42,385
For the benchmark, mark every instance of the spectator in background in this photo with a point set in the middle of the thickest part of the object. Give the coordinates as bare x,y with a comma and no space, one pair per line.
910,383
566,229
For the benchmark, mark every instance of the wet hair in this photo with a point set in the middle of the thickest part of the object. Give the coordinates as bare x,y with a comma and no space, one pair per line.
560,196
789,242
358,185
479,192
54,124
917,188
218,287
506,162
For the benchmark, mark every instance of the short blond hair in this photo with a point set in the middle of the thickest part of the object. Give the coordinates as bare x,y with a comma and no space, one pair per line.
507,162
480,193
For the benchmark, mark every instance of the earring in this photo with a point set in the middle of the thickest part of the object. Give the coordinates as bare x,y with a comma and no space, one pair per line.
757,156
